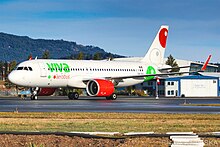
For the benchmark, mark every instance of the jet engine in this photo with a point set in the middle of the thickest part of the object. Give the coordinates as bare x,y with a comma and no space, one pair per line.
99,88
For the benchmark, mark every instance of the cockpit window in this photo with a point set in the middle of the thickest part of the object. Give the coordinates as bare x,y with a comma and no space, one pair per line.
25,68
20,68
30,68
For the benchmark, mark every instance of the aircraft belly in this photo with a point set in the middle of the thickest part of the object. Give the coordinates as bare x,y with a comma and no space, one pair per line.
129,82
76,82
54,83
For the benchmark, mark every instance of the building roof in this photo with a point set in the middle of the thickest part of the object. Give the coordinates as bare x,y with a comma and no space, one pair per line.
190,77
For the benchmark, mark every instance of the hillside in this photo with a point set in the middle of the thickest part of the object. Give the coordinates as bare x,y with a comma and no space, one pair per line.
18,48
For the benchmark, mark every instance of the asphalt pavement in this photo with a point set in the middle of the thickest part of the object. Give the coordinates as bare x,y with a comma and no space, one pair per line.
122,104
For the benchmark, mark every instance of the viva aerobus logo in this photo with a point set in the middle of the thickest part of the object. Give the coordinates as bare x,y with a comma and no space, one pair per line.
61,67
150,70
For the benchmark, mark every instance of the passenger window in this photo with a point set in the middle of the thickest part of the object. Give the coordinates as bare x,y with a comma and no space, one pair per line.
25,68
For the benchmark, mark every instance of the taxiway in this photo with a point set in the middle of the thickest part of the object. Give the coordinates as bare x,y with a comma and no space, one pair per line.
122,104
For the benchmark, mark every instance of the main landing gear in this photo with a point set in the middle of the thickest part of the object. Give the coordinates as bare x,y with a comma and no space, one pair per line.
73,95
112,97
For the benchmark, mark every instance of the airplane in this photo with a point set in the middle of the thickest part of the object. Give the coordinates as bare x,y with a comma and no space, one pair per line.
99,78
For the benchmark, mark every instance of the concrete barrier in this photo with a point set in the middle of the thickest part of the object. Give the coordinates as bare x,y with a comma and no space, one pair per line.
188,139
181,136
138,133
96,133
216,133
181,133
186,145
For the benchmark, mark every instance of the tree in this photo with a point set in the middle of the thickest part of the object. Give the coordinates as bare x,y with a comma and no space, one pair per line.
80,56
96,56
8,68
46,54
71,57
171,61
12,65
109,56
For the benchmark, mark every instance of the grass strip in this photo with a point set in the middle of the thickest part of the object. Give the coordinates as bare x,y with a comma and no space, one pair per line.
114,122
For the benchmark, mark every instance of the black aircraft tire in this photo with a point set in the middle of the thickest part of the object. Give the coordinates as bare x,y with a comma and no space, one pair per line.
70,95
34,97
114,96
75,95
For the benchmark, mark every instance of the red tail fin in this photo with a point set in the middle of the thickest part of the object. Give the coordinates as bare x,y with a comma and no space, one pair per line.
206,63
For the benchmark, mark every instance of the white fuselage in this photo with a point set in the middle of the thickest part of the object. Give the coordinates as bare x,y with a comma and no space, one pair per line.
75,73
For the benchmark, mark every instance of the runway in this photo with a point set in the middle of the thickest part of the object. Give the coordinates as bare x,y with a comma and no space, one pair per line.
122,104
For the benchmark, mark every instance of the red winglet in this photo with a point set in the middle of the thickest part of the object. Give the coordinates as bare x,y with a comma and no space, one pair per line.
206,63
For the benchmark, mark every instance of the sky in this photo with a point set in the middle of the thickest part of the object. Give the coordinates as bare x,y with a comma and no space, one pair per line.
125,27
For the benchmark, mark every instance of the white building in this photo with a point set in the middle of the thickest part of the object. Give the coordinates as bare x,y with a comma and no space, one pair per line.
192,86
150,86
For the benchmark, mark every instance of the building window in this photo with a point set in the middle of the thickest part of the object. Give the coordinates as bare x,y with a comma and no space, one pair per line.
161,92
150,83
170,92
170,83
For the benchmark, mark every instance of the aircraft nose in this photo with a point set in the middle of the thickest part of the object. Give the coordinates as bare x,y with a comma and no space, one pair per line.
12,78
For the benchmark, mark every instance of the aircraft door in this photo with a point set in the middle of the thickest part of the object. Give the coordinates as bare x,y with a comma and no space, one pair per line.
43,70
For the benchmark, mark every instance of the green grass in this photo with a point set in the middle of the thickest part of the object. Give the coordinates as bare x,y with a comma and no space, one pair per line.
120,122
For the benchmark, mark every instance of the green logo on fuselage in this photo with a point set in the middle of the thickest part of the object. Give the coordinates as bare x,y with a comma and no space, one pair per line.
61,67
150,70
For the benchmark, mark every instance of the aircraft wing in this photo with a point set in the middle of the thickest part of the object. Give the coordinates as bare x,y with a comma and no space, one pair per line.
164,74
119,78
147,75
162,69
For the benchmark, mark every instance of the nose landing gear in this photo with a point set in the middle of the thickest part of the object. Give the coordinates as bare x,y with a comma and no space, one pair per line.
34,92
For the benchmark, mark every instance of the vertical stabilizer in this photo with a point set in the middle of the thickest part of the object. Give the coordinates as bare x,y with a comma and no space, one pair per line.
155,54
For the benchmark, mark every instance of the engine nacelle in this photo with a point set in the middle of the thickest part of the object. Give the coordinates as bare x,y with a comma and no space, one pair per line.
43,91
100,87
